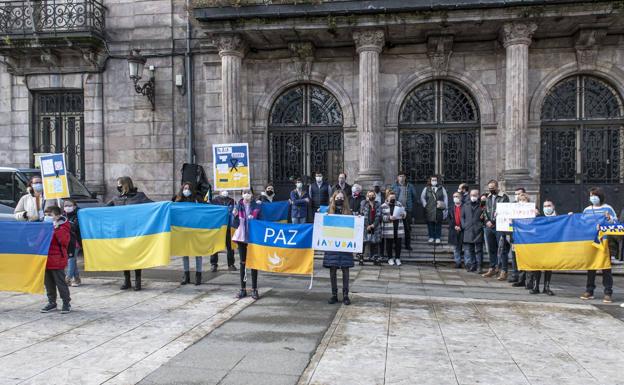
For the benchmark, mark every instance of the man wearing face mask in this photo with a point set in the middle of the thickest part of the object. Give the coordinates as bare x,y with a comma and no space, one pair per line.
472,227
433,199
299,200
32,205
319,193
223,199
380,196
268,194
343,186
498,263
406,195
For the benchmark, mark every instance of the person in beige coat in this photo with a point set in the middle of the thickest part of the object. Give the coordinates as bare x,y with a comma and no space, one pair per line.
32,205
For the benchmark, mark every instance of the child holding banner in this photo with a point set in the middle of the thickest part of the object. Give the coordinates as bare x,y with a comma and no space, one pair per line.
334,260
57,261
246,210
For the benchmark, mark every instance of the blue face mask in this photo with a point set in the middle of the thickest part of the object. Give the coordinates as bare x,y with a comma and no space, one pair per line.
38,187
594,200
48,219
186,193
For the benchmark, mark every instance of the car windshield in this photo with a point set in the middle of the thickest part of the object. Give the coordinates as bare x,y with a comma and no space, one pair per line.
75,187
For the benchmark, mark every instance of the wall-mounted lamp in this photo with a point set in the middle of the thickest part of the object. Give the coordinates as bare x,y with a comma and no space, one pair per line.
136,63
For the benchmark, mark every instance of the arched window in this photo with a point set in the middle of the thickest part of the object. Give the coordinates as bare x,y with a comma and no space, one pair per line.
439,133
581,139
305,135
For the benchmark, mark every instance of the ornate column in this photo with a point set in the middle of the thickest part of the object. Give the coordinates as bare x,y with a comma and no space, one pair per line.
369,44
516,39
231,50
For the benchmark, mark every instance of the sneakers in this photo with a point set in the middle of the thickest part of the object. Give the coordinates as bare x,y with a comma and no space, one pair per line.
242,293
232,268
607,299
586,296
397,261
622,305
48,308
255,295
75,282
66,308
430,240
502,276
438,241
391,261
214,268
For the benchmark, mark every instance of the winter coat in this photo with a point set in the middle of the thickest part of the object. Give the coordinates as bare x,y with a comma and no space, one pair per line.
192,199
472,222
28,205
490,206
346,189
299,205
365,210
241,222
387,230
319,195
131,198
264,198
76,239
223,201
337,259
57,253
429,199
410,204
455,236
356,202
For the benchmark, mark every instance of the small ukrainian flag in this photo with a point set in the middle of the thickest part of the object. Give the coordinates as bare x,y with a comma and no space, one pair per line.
339,226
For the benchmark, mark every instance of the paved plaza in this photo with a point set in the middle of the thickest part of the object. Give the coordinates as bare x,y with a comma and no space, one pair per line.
413,325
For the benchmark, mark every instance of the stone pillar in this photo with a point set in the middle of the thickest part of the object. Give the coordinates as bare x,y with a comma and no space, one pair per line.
516,39
231,50
369,44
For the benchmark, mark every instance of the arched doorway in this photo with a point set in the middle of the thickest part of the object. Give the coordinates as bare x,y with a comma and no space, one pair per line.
305,136
581,142
439,134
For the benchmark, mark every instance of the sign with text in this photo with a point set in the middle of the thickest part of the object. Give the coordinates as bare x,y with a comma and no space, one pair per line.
231,166
54,176
338,233
506,212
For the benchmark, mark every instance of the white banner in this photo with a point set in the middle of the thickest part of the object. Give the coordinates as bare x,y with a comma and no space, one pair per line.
338,233
506,212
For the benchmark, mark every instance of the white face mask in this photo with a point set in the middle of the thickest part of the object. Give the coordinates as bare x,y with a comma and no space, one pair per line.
434,182
299,185
224,193
48,219
594,200
457,200
548,210
319,179
474,198
69,209
247,197
186,192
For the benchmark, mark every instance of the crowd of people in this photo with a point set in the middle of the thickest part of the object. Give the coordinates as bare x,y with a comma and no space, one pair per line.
388,215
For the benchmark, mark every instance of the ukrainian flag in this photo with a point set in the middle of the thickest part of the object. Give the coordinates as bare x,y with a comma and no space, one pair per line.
275,211
198,228
126,237
339,226
564,242
23,255
280,248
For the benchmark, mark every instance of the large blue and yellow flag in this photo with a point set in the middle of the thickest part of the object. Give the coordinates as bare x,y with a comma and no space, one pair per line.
564,242
198,229
275,211
23,255
280,248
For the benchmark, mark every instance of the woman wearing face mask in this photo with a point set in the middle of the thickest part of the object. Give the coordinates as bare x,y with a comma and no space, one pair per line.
129,195
455,236
75,244
371,211
356,198
392,230
299,201
433,199
188,194
31,206
223,199
268,194
246,210
548,211
334,260
599,208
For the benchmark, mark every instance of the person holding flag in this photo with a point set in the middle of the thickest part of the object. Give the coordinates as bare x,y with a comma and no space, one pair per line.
188,194
31,206
223,199
246,211
334,260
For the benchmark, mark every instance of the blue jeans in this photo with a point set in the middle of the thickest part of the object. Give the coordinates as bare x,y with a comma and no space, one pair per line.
497,260
198,264
434,229
72,268
301,220
474,255
457,253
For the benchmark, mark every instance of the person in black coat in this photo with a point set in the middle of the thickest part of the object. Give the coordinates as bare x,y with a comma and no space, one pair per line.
319,193
356,198
472,228
334,260
129,195
70,209
455,230
188,194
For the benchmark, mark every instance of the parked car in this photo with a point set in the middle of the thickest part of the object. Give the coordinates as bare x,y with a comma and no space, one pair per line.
13,183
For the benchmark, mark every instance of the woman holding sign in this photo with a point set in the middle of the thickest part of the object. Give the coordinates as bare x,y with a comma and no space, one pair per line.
334,260
392,214
246,210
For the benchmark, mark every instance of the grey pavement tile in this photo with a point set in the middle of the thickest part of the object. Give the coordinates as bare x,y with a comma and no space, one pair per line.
269,361
185,376
240,377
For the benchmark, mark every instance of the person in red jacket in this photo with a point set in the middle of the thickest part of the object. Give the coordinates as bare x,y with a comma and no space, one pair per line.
57,261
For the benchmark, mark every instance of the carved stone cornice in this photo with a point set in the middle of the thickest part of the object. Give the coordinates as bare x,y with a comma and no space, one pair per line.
587,44
439,51
369,40
517,33
230,45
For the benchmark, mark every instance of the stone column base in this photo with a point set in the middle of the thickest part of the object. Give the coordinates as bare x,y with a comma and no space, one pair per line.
367,178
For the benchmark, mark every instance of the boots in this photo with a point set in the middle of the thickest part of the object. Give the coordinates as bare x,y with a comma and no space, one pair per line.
186,279
345,297
502,276
197,279
547,275
137,280
334,297
490,273
127,283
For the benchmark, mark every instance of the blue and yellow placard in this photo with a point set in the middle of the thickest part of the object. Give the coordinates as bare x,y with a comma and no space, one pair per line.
54,176
231,166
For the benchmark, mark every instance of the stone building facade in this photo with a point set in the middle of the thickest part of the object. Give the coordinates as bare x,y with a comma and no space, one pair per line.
529,93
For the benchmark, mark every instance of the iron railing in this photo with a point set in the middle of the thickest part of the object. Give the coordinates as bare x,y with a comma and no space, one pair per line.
51,17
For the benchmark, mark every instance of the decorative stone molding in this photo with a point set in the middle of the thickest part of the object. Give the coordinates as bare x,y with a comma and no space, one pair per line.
517,33
369,40
230,45
302,57
587,44
439,51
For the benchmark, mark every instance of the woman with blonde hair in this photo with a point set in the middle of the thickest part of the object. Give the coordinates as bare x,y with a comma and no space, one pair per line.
334,260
